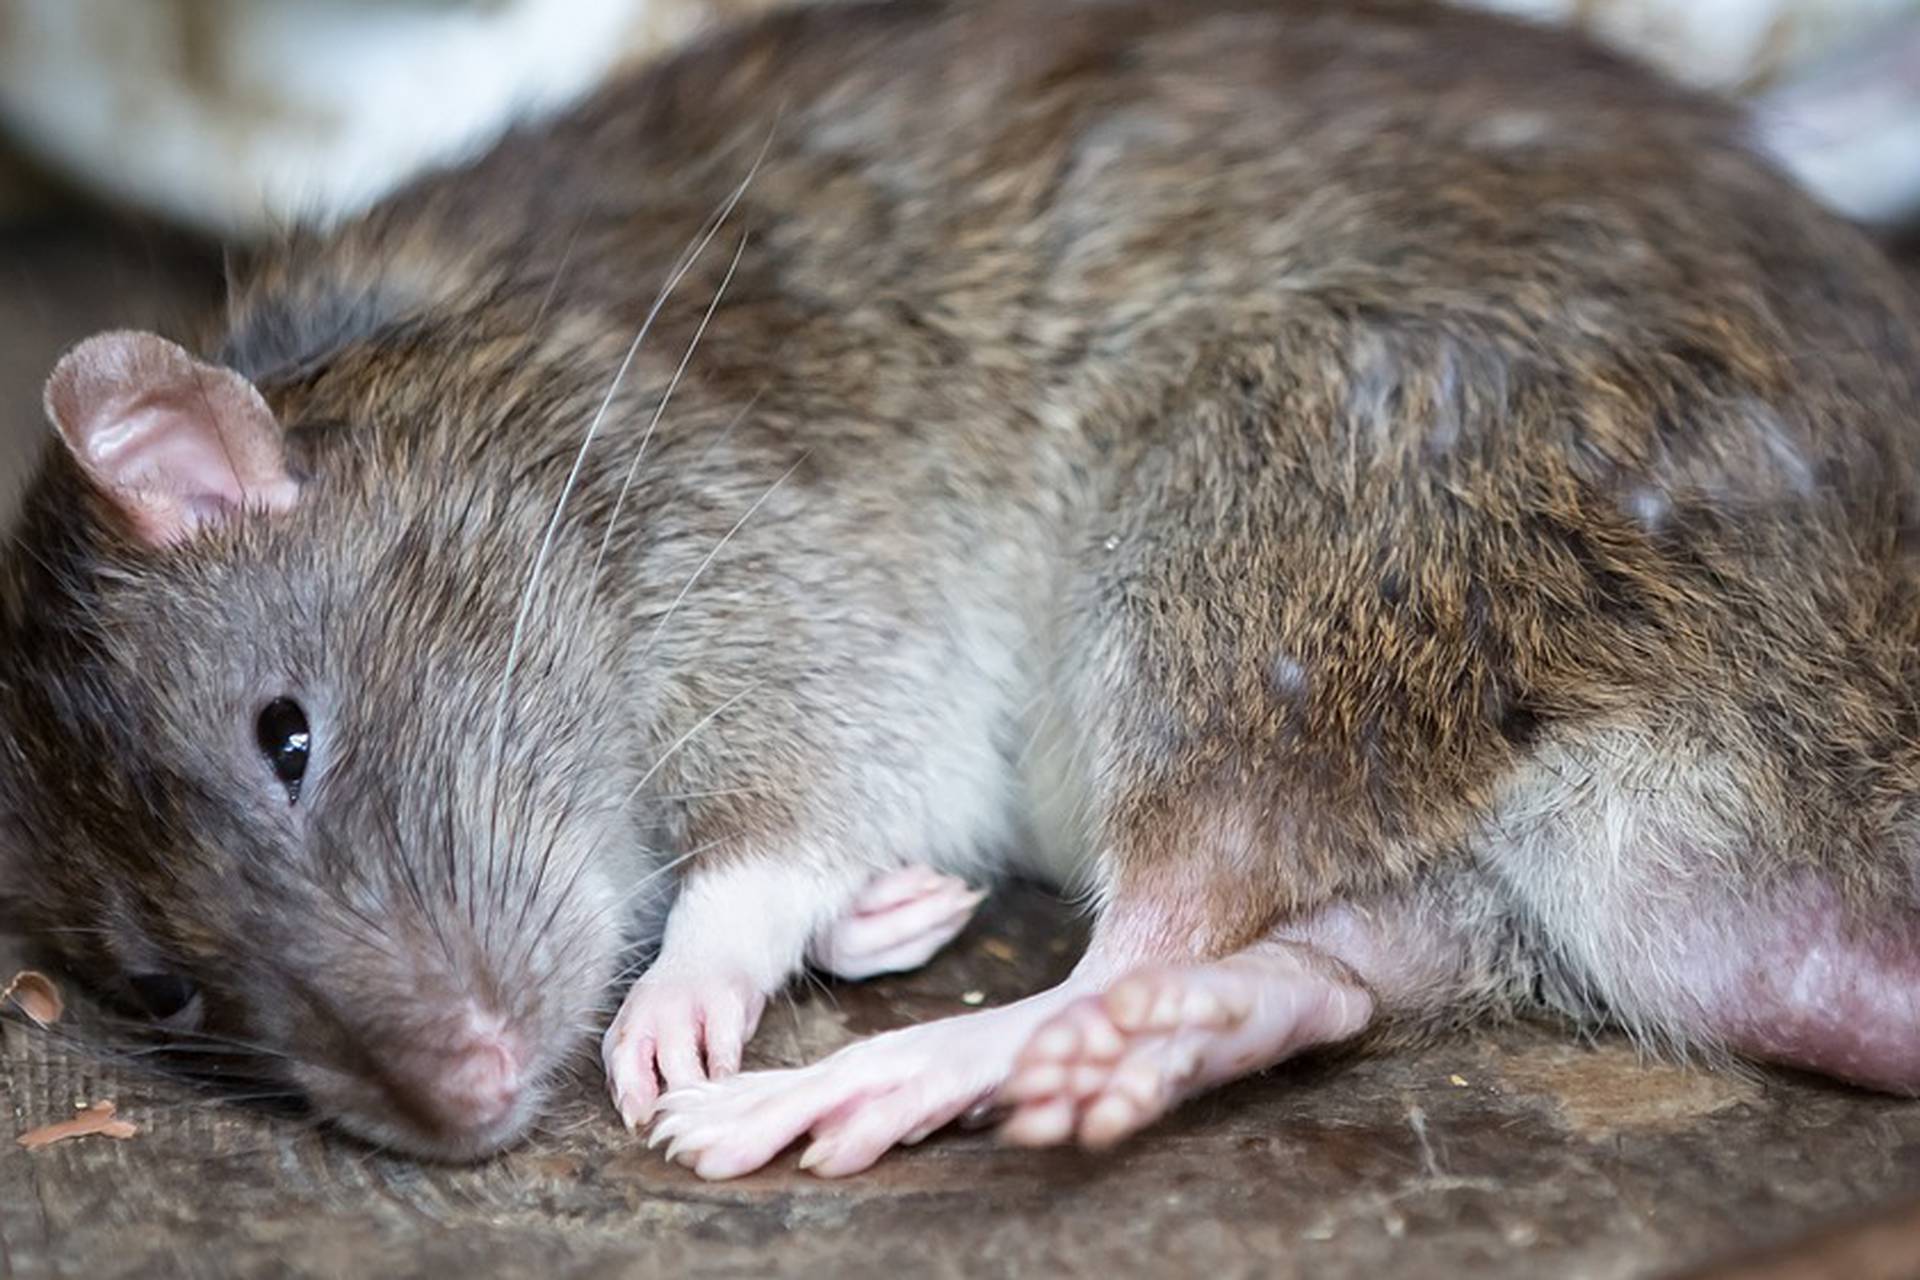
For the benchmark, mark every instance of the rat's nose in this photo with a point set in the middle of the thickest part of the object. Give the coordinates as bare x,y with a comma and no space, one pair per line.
480,1084
467,1085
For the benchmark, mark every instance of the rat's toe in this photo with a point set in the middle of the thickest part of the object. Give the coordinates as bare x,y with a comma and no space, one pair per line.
727,1128
1112,1119
679,1033
1046,1123
1036,1081
851,1141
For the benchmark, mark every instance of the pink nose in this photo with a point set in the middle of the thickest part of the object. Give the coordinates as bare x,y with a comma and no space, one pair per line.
466,1087
480,1084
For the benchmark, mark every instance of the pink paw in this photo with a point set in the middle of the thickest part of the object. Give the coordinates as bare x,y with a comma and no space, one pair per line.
677,1030
1107,1066
898,922
856,1105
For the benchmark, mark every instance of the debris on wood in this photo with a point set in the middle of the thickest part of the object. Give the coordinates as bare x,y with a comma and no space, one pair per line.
96,1119
35,995
1000,950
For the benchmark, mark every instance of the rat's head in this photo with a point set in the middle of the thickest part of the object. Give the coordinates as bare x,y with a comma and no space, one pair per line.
274,767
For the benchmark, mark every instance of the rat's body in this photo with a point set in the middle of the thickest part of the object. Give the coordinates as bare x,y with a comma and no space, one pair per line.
1402,509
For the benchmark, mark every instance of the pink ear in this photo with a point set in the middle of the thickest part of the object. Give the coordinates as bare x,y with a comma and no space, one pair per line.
176,443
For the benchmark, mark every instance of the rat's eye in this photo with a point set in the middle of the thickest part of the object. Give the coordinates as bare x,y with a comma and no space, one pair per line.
162,995
285,741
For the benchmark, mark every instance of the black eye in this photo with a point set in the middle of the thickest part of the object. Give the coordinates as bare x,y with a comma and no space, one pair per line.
162,995
285,741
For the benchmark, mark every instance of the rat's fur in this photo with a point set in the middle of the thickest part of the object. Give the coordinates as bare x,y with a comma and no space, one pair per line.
1266,457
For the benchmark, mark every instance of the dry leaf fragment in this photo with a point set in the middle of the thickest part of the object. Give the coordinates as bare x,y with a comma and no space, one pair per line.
98,1118
36,996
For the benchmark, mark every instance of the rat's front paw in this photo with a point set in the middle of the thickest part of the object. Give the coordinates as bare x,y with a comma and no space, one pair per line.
677,1030
896,923
869,1097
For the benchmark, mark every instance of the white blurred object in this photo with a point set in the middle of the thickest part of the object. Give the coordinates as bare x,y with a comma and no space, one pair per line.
1834,84
1729,45
1850,130
238,115
235,116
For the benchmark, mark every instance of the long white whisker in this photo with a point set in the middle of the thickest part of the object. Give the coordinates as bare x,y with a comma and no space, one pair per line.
717,548
683,739
698,463
665,868
593,430
659,410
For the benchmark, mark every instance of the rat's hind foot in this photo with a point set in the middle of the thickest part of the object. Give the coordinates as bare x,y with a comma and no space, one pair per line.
1111,1064
898,922
680,1030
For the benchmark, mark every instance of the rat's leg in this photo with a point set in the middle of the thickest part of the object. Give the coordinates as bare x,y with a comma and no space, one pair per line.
1790,974
1110,1064
736,934
1287,992
892,1088
898,922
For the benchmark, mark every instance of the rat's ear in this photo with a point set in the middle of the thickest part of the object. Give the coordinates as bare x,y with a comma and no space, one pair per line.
175,442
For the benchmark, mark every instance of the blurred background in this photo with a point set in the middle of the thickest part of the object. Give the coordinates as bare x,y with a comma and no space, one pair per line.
136,136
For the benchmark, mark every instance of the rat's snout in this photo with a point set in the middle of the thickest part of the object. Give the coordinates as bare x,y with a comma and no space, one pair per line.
464,1085
430,1022
435,1060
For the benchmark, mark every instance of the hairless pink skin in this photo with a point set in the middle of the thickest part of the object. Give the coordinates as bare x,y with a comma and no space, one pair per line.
1795,978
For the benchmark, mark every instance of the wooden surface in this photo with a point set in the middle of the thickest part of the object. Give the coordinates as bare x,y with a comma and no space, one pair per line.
1516,1154
1878,1246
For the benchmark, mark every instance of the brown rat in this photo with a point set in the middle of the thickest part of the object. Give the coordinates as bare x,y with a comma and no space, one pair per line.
1402,509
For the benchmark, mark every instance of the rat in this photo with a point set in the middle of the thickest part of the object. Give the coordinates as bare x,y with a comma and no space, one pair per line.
1406,514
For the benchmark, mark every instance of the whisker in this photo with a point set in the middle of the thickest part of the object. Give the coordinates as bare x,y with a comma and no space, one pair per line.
545,549
659,410
110,1022
668,797
685,738
666,868
720,437
559,273
717,548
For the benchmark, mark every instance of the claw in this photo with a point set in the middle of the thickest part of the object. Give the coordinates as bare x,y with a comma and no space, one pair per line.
675,1032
